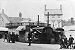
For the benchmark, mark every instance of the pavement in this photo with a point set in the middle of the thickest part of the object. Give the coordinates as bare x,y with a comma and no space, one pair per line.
24,46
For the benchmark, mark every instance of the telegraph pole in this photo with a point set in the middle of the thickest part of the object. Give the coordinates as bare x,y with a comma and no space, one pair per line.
48,19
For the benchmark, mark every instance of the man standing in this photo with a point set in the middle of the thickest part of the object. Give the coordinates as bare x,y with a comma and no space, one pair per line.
13,37
4,37
70,41
8,37
65,42
61,41
30,37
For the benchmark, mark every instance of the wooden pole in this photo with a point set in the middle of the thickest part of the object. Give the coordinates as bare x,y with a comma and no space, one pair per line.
48,19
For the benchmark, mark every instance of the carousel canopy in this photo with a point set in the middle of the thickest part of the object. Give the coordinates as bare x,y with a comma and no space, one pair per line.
21,27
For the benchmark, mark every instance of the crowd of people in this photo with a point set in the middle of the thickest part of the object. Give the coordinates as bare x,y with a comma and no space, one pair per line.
66,43
10,37
63,41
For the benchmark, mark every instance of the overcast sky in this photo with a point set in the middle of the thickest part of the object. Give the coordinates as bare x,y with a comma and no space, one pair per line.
31,8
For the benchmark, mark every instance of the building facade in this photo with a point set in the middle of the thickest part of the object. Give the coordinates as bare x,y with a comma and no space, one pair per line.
3,18
11,22
55,16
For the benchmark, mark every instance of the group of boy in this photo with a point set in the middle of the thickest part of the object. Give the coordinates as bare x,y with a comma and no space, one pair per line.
64,43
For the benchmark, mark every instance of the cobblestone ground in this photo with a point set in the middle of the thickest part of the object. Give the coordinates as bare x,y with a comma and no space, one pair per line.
24,46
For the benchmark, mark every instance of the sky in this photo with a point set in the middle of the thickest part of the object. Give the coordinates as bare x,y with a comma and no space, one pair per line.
33,8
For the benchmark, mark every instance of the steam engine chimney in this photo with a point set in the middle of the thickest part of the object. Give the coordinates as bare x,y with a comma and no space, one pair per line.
38,20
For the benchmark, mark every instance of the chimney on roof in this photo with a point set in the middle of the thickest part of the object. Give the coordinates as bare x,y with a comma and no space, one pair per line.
45,7
60,6
2,10
20,14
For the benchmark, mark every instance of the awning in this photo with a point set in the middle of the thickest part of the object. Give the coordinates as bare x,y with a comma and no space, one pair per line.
3,29
21,27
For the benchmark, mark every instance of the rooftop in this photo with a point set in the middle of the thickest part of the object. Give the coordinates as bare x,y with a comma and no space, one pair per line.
53,11
17,19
